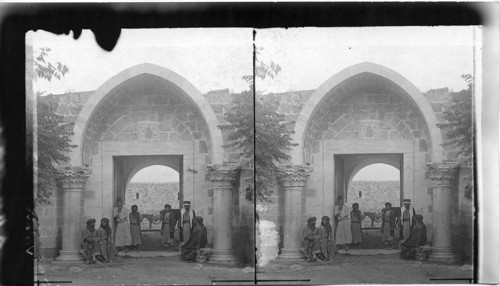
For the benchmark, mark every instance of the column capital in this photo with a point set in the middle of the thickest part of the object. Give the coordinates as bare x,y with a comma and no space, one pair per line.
73,177
442,173
220,173
291,175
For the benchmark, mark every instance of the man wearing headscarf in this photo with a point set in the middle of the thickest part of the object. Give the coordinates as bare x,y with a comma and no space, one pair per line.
326,245
107,248
90,241
197,240
417,237
121,215
388,225
311,240
167,219
186,222
356,230
406,221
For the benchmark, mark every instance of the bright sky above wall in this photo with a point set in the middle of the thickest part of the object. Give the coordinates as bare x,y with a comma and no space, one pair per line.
156,174
377,172
429,57
211,59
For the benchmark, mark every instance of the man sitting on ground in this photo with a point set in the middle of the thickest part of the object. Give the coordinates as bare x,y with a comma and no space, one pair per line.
311,240
417,238
197,239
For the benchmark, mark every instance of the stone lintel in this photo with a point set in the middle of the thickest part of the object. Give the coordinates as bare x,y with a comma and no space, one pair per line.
73,177
442,173
294,175
222,174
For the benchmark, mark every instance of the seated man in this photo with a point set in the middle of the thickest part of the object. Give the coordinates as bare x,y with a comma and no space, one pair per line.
90,242
311,239
197,240
417,238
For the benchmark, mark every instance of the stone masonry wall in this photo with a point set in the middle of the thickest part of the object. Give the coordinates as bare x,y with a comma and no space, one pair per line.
374,194
152,196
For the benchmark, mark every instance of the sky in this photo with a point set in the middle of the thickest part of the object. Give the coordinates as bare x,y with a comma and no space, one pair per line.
213,59
210,59
429,57
156,174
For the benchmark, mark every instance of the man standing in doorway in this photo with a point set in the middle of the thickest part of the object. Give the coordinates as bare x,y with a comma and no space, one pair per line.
186,221
406,220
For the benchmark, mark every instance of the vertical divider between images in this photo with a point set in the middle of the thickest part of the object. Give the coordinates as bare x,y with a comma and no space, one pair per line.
254,34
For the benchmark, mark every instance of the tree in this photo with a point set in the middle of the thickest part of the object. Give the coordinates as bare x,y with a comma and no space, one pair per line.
264,146
53,133
458,123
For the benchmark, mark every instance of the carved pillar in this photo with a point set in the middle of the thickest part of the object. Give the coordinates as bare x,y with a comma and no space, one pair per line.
442,176
293,179
71,181
223,177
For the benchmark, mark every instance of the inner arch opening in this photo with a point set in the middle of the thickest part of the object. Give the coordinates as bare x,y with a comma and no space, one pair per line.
150,189
374,185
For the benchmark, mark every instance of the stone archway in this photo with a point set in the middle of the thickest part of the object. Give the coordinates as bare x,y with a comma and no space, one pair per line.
316,101
366,109
192,94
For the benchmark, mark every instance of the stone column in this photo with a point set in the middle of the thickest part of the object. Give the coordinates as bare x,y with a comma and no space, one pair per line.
442,176
293,179
223,177
71,181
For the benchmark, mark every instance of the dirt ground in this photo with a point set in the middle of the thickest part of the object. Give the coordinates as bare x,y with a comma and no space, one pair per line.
343,269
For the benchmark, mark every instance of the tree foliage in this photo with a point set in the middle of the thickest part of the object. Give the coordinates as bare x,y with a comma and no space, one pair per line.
260,134
458,126
53,133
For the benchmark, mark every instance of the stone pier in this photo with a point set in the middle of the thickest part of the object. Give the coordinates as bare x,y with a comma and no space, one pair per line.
442,176
71,181
223,177
293,179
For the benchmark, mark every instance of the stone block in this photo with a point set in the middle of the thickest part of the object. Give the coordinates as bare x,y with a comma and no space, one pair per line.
174,137
429,209
210,210
430,191
315,147
395,135
88,194
310,192
422,145
202,147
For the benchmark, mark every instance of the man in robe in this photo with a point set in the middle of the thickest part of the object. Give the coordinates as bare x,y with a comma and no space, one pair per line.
186,221
108,250
356,231
326,244
417,238
90,242
168,221
311,240
135,227
388,225
342,214
406,221
123,238
197,239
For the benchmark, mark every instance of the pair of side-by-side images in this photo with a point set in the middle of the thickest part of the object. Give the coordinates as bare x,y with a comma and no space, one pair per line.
267,156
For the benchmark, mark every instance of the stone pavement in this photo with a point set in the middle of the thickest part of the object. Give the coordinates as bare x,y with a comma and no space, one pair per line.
343,269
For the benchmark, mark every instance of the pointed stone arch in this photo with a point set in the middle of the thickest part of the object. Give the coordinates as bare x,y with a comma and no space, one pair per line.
411,92
193,95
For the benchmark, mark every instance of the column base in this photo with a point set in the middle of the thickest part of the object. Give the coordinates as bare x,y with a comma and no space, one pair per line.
223,256
69,256
294,253
442,254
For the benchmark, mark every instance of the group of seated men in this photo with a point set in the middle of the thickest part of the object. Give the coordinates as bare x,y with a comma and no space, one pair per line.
317,242
99,245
